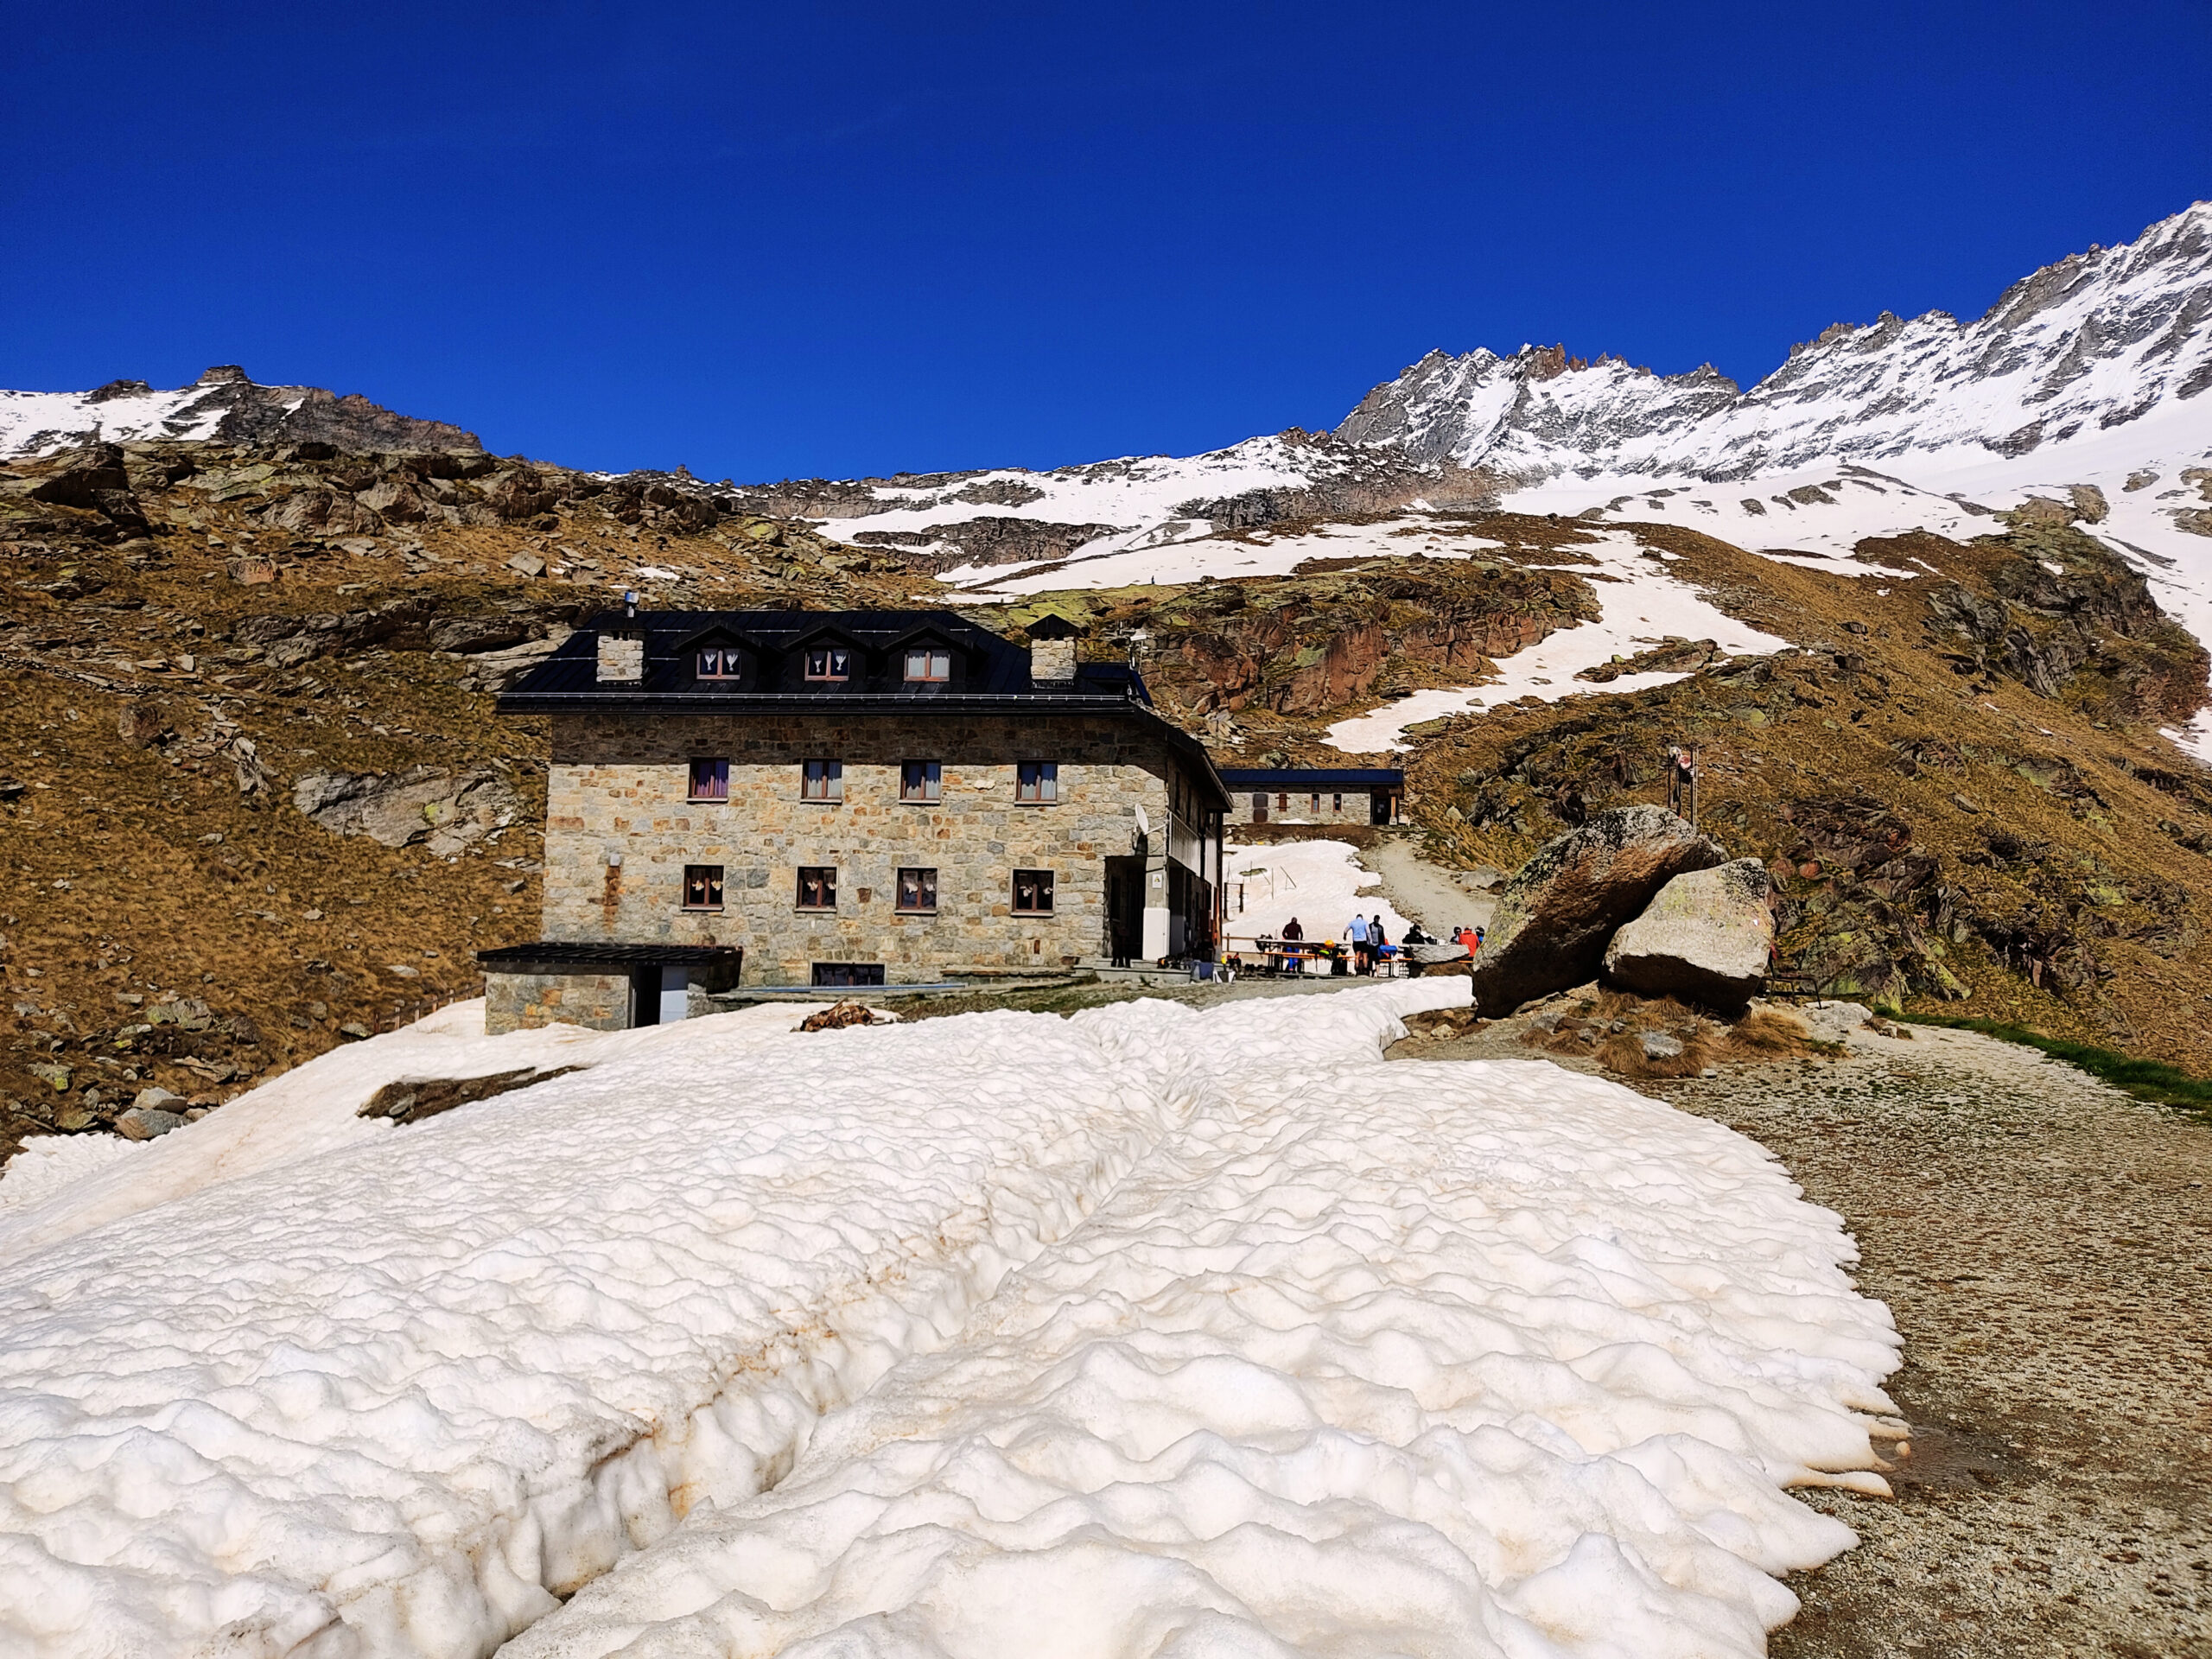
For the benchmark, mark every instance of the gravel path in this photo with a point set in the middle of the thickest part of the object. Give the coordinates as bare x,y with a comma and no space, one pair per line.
1439,899
2043,1241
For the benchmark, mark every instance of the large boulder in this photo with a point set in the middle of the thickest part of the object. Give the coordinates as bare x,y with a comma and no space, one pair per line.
1556,913
1705,938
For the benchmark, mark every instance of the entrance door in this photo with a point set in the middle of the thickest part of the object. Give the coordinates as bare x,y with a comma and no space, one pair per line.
1259,808
1378,806
1124,909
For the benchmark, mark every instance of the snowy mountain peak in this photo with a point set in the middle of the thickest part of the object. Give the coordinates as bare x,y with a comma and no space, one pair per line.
225,405
2097,340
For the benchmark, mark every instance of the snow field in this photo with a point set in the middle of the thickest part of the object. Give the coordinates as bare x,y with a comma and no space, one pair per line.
1479,1358
57,1186
394,1394
1319,882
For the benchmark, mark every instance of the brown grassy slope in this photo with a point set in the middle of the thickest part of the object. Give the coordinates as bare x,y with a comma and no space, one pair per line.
1943,833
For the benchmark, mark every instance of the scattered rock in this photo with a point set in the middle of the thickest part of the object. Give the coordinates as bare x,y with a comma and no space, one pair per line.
1830,1022
155,1099
837,1016
252,573
141,1123
1706,938
409,1100
445,809
1660,1045
142,724
528,564
353,1028
56,1077
1556,915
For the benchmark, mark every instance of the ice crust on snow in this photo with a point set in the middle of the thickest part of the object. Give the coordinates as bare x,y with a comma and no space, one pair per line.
1192,1325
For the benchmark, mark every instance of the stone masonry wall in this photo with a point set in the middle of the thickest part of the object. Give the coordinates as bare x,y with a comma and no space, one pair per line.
599,1001
618,785
1357,806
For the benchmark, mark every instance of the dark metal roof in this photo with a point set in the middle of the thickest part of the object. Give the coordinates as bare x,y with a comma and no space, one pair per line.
585,953
994,673
991,670
1312,778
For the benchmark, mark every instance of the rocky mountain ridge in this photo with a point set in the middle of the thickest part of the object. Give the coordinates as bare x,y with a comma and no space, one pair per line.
2097,341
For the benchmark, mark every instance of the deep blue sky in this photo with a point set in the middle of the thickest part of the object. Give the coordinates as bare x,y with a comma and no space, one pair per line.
793,239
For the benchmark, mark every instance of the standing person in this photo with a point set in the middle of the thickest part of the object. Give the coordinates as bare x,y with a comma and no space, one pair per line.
1377,940
1291,929
1357,934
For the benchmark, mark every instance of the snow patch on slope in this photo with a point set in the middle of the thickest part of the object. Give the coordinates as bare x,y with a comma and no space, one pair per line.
1642,605
1319,882
39,422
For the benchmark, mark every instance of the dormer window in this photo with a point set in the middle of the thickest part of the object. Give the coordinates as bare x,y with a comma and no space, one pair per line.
829,664
928,665
719,662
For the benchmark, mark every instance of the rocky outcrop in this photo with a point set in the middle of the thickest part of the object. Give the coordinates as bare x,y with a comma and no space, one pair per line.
2066,608
446,810
95,480
1556,914
1000,538
1705,938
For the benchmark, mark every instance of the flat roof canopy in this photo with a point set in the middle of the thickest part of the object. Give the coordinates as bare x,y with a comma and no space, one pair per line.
1310,778
583,953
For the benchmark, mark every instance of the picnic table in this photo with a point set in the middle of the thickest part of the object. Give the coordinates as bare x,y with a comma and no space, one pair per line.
1289,958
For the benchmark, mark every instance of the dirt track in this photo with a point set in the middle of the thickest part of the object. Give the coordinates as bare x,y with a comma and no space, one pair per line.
2045,1243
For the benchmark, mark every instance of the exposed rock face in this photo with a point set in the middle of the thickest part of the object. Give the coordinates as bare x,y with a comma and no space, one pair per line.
1705,938
997,540
446,810
1554,916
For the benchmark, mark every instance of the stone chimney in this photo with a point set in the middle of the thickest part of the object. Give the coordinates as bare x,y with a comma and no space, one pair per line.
1052,651
622,657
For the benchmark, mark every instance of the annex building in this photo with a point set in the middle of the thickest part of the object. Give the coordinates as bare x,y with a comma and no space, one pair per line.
849,799
1298,795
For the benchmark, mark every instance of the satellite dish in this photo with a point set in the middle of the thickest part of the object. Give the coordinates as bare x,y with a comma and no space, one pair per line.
1144,822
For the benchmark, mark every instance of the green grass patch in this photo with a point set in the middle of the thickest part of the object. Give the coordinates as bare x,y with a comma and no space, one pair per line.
2152,1080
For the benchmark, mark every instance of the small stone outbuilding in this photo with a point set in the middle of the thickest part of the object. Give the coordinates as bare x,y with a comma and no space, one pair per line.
1301,795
